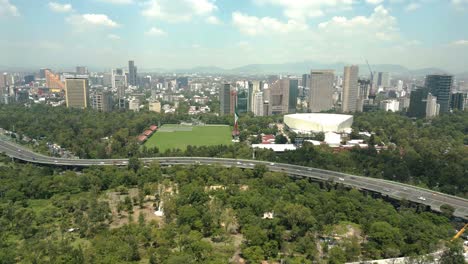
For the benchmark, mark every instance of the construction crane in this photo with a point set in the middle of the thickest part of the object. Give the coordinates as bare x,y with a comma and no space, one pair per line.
371,78
459,233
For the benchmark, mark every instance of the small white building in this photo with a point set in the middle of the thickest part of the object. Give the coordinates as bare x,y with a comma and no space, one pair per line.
134,105
390,105
275,147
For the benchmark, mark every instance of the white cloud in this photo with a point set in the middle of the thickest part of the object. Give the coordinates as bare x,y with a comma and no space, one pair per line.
178,10
154,31
213,20
374,2
113,37
60,8
118,2
412,7
380,24
87,21
196,46
8,9
252,25
303,9
461,42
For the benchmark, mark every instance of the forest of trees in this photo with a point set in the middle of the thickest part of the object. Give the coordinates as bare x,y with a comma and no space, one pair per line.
211,215
431,154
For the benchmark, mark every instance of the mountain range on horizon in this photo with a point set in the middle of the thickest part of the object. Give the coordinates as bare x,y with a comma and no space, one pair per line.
297,68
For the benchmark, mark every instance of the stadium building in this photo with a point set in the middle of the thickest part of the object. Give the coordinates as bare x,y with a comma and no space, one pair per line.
319,122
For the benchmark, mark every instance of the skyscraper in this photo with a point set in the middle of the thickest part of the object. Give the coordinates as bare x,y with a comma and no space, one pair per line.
350,88
383,79
182,83
77,92
279,97
293,93
258,104
457,102
233,101
321,90
225,99
418,99
242,101
440,86
132,73
257,86
432,107
306,80
53,82
81,70
102,101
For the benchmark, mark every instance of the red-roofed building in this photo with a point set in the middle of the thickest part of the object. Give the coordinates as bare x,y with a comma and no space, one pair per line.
268,139
147,132
142,138
154,127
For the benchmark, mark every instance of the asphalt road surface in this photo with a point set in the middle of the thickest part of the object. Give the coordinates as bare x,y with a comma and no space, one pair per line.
386,188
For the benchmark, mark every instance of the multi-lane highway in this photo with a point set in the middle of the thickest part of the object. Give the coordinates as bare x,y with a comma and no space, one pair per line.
386,188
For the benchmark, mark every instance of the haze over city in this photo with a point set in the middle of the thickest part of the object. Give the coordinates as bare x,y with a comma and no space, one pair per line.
163,34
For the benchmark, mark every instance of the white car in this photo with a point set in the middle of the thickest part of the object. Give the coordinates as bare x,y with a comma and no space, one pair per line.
102,162
422,198
238,163
272,164
251,164
341,179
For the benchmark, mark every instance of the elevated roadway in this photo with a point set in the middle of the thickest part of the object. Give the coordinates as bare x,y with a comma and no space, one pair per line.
386,188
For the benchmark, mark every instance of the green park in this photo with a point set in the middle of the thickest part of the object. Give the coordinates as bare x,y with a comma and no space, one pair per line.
171,136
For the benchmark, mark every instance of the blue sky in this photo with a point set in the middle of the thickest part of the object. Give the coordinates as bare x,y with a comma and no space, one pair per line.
231,33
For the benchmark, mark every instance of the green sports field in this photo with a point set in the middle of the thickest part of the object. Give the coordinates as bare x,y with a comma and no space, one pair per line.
179,136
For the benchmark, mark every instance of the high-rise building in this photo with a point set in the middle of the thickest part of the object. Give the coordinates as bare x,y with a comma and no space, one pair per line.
233,100
432,107
350,89
404,104
417,106
440,86
242,101
225,99
42,73
77,92
81,70
257,86
279,97
53,82
258,104
250,96
102,101
29,79
293,93
457,102
132,73
306,80
182,83
321,90
383,79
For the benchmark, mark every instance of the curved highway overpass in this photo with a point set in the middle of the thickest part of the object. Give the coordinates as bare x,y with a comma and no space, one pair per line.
386,188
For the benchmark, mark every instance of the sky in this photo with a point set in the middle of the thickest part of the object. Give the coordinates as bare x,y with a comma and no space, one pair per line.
230,33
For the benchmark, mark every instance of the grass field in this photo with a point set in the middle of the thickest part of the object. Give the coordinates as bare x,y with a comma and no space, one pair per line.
177,136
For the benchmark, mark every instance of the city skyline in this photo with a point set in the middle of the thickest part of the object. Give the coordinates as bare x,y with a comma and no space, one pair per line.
189,33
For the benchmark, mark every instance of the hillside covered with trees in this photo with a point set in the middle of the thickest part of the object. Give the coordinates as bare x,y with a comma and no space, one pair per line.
211,215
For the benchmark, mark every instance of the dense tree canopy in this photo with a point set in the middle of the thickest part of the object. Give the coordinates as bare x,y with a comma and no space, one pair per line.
207,209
